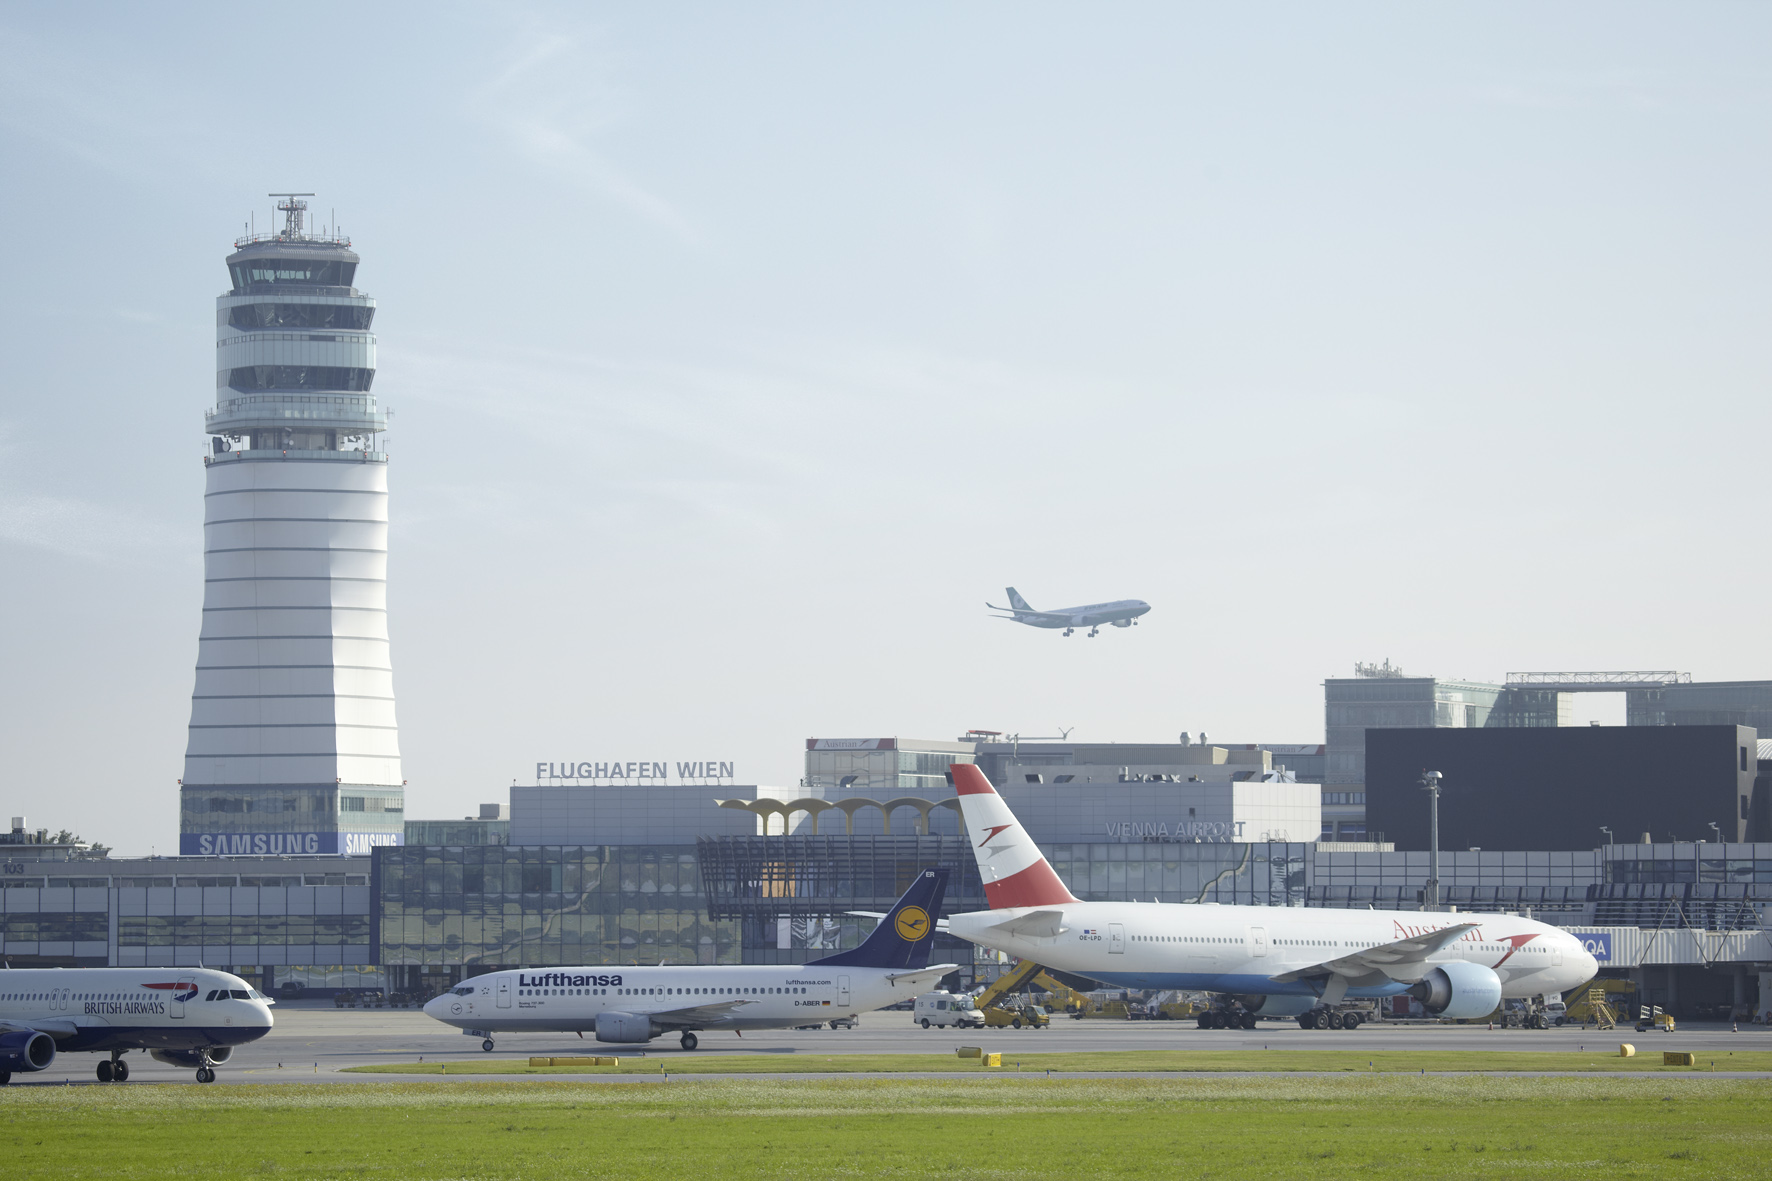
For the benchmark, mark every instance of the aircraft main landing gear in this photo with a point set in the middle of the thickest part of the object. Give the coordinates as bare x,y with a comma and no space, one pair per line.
205,1074
114,1071
689,1040
1093,632
1069,630
487,1045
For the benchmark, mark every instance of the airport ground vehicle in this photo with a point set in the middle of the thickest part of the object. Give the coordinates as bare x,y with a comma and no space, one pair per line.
1613,995
1654,1017
942,1008
1457,965
999,1006
1531,1013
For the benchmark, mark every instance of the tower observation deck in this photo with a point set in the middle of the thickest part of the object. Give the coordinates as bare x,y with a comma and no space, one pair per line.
292,745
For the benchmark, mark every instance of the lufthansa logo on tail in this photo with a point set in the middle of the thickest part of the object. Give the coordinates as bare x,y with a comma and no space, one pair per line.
912,923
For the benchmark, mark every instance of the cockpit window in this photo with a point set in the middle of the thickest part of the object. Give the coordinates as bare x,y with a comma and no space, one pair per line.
464,990
211,995
241,994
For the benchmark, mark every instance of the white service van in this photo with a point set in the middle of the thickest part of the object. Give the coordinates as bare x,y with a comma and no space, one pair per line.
946,1008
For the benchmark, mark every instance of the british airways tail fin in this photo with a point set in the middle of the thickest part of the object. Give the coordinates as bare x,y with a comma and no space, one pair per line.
1016,601
1014,871
904,937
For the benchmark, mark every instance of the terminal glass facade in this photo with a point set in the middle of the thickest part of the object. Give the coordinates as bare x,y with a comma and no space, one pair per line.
542,905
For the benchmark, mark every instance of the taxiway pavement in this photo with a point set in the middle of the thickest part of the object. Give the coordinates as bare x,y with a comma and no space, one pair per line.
314,1044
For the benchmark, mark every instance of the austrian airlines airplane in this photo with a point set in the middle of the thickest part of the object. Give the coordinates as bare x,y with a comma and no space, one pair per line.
1120,613
181,1016
638,1004
1278,960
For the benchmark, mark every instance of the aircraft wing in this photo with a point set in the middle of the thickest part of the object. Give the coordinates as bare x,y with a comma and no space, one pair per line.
1405,960
55,1029
698,1015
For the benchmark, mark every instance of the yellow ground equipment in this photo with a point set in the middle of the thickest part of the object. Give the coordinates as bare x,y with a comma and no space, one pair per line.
1653,1017
1000,1009
1594,1007
1612,996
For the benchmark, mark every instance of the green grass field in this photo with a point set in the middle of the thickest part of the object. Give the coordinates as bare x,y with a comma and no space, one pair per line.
1602,1058
1370,1127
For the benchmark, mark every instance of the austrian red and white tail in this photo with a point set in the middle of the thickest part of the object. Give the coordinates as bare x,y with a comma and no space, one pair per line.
1014,871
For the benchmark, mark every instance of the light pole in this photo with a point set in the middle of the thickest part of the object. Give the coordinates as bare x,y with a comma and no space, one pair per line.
1714,828
1608,833
1430,783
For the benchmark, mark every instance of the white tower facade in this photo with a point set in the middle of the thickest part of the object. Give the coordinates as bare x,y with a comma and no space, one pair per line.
293,746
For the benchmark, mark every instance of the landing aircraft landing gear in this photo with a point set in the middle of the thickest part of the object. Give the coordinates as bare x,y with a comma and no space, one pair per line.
1093,632
114,1071
205,1074
689,1040
1069,630
487,1045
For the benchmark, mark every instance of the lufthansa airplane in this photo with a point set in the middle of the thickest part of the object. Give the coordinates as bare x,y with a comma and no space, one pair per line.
1120,613
180,1016
1280,961
637,1004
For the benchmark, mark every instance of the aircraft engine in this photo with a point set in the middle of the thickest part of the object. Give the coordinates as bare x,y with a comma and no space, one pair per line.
191,1058
625,1027
1278,1006
1459,990
26,1049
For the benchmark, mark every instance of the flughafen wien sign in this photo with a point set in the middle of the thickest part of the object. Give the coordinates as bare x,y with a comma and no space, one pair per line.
647,769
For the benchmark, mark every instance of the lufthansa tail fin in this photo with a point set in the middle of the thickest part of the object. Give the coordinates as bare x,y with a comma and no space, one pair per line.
907,933
1016,601
1014,871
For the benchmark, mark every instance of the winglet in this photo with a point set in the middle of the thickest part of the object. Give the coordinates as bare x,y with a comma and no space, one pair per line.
1011,866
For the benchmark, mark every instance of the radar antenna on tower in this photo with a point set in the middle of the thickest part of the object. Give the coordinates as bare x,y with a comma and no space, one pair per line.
293,211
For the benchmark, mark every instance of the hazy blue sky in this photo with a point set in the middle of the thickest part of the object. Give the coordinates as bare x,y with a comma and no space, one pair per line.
738,353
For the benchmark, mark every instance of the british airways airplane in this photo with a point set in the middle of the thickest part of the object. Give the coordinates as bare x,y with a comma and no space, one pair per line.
1282,961
1120,613
190,1017
637,1004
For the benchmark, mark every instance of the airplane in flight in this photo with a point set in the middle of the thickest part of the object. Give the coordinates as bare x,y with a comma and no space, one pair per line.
637,1004
1120,613
1280,961
180,1016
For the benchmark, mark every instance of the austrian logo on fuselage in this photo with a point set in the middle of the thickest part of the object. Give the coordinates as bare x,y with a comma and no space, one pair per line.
912,923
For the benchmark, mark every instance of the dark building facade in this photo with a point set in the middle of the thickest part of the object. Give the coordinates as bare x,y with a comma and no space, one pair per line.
1555,787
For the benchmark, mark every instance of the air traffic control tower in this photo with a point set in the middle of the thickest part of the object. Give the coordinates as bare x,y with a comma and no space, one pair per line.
293,746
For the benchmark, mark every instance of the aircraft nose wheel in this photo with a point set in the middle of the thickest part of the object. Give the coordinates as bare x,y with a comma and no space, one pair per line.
487,1045
690,1041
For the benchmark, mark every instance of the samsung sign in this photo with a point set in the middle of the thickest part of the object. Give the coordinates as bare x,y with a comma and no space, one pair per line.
646,769
1596,943
279,844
